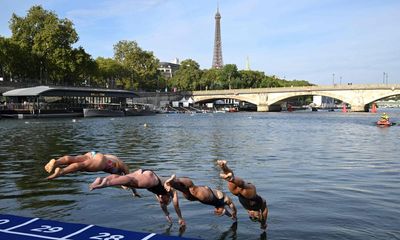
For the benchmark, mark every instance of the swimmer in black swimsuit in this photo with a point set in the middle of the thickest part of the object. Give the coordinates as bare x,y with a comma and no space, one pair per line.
203,194
255,205
144,179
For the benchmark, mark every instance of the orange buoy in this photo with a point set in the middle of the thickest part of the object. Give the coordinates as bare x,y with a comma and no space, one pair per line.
344,109
373,110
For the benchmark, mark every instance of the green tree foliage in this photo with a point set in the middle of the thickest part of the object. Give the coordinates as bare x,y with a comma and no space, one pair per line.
47,42
142,65
15,61
188,77
111,73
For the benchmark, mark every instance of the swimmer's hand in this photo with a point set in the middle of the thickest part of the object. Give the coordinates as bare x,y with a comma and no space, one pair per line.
134,192
182,222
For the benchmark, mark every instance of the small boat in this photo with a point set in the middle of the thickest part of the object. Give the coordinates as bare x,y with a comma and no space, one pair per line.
384,123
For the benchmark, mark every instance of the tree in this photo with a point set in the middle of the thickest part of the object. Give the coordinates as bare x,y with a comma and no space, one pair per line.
188,77
14,61
229,75
111,73
251,79
48,40
142,65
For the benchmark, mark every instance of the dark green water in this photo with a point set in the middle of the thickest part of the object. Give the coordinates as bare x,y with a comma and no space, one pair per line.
325,175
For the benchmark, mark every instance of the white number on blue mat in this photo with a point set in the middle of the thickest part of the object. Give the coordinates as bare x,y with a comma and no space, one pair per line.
47,229
107,236
4,221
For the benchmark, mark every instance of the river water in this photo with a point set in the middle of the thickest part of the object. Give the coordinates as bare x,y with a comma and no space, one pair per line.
325,175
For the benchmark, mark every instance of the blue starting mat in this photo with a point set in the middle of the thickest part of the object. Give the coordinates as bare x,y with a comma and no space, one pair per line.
23,228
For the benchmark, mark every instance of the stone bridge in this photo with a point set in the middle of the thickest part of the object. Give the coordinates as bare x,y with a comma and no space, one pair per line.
358,96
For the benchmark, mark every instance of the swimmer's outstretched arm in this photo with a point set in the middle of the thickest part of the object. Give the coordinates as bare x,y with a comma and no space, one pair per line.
175,201
232,207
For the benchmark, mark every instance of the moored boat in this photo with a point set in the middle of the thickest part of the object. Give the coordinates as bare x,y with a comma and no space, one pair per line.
139,109
94,112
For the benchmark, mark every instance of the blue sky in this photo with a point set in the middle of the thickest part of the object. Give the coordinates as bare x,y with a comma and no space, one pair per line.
322,41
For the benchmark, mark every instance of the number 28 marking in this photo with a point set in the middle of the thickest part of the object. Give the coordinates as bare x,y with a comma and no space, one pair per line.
107,236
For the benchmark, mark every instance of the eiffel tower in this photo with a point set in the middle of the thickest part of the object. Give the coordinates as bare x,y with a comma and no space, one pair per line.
217,58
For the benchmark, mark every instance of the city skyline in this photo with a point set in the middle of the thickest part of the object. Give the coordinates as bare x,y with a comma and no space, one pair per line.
323,42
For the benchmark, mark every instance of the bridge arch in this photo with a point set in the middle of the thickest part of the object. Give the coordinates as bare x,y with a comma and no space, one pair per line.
242,98
277,99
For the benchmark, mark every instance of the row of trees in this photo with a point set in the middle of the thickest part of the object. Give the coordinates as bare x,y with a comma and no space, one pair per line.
191,77
41,51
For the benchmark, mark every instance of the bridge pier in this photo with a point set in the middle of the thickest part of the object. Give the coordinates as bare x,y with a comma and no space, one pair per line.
262,108
359,108
269,108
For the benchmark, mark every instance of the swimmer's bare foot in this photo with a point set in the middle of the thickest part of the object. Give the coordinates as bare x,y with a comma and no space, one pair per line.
95,184
57,172
167,184
50,165
99,183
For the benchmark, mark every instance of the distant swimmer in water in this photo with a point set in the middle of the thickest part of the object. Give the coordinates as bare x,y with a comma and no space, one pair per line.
144,179
255,205
89,162
203,194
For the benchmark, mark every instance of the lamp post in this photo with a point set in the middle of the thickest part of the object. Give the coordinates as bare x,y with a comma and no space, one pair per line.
333,78
384,74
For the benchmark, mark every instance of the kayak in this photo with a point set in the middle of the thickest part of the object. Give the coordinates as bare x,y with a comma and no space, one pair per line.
384,123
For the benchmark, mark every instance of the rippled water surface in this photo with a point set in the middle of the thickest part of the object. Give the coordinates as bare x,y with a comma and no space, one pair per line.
325,175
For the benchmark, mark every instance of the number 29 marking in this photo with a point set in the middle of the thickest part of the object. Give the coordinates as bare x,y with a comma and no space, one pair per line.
4,221
47,229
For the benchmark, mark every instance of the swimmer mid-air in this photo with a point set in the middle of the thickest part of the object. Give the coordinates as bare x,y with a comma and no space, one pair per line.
255,205
89,162
144,179
203,194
